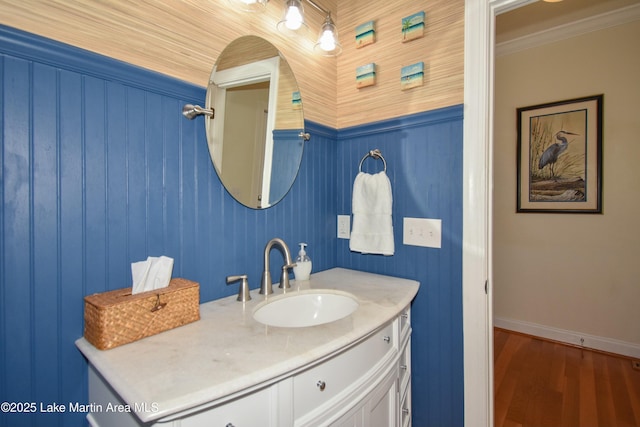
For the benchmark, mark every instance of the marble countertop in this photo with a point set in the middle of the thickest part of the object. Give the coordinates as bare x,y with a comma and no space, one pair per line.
227,352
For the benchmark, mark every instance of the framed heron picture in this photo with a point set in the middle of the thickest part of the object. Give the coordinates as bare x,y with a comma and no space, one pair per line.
559,166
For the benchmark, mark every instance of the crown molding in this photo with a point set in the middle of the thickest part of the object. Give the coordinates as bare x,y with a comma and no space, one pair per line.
577,28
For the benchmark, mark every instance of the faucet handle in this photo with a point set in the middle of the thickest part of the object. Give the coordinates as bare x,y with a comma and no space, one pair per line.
284,278
243,291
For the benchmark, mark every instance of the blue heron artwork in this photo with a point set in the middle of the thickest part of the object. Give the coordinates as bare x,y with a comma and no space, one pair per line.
558,157
551,154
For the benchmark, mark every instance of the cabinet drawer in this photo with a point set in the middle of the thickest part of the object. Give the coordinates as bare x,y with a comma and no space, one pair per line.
404,366
405,321
405,407
254,409
317,386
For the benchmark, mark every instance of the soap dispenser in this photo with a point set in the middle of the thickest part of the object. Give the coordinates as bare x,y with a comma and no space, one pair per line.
302,270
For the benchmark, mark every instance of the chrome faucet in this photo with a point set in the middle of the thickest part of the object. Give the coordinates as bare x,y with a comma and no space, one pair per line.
265,286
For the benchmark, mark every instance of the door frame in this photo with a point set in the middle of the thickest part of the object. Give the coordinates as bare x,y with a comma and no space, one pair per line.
479,59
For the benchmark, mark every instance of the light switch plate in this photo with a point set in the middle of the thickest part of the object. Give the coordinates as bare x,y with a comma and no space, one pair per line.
422,232
344,226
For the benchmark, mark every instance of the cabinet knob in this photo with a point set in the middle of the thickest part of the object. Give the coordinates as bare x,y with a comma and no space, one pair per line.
321,385
387,338
405,411
403,367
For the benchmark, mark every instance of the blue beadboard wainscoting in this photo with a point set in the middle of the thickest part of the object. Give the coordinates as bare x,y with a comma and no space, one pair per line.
99,169
423,153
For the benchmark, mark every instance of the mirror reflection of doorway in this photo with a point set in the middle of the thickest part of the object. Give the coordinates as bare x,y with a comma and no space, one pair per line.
247,100
246,125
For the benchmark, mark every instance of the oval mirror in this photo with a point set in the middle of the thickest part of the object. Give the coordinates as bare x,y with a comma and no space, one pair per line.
256,138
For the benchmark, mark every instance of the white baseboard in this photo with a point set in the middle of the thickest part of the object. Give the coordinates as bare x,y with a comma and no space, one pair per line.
570,337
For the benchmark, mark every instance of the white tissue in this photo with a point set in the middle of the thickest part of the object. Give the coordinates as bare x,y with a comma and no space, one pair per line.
152,274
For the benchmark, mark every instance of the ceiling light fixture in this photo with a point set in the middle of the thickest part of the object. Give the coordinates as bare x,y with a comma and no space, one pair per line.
293,22
328,43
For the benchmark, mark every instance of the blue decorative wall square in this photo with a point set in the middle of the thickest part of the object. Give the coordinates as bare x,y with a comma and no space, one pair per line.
365,34
413,26
412,76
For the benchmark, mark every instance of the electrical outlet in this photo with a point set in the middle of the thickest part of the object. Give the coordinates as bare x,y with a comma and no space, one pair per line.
422,232
344,226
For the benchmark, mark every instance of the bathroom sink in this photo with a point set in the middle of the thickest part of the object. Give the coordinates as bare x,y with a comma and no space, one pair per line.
305,308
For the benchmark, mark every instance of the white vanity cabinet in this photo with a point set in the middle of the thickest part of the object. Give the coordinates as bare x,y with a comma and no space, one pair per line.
347,381
230,370
367,385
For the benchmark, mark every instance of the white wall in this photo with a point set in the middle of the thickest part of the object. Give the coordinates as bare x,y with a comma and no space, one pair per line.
572,273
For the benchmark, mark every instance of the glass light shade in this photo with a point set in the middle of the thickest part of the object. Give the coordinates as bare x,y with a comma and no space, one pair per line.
328,43
249,5
293,19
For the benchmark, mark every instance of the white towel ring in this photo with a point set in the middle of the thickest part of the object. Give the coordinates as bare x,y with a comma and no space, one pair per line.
376,154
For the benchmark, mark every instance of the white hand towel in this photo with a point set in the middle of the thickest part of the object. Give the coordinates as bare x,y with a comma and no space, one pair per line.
372,231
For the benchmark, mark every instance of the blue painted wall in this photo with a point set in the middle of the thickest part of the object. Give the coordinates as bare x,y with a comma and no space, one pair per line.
99,169
424,164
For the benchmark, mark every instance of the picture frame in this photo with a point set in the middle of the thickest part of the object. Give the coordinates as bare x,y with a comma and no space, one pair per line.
365,34
413,27
559,156
366,75
412,76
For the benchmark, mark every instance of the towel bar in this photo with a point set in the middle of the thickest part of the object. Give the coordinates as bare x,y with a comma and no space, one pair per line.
376,154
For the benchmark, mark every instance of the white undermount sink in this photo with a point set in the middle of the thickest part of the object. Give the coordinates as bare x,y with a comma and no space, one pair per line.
305,308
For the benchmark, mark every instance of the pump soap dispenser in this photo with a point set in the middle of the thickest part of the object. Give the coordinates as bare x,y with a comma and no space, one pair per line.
302,270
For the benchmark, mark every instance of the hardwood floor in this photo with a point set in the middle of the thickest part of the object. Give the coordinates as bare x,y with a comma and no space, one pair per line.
540,383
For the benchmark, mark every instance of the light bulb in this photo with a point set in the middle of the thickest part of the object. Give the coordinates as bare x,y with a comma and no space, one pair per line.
327,41
328,44
294,18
